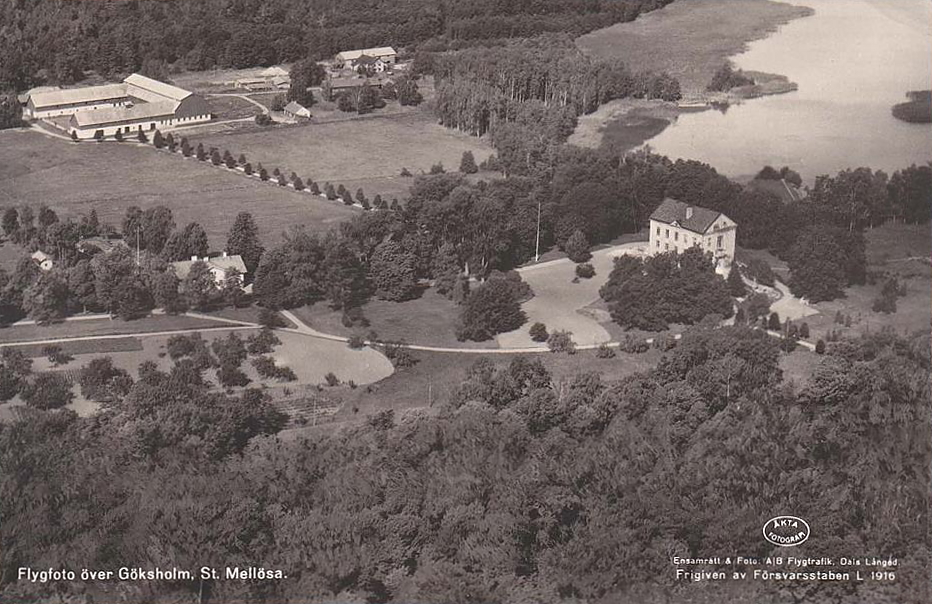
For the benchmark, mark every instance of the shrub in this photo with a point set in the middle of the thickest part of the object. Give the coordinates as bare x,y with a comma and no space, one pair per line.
468,163
331,379
820,347
491,308
285,374
399,354
356,341
278,102
315,188
604,351
538,332
262,342
265,367
241,160
118,136
330,192
271,319
298,184
264,119
561,341
48,391
577,247
74,136
215,158
585,271
157,141
773,323
282,181
230,162
142,137
664,342
787,344
437,168
231,376
406,173
56,355
634,345
263,175
804,330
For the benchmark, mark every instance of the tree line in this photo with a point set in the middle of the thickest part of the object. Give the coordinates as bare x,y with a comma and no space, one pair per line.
509,491
43,41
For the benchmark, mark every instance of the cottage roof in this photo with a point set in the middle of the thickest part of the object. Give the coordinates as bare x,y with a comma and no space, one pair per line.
75,96
113,115
273,72
217,263
295,108
671,211
139,82
352,55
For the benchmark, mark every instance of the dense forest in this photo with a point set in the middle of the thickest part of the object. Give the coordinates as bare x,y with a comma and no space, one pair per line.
55,40
521,488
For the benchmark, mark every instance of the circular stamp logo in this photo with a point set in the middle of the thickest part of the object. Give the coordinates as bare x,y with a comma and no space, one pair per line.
786,531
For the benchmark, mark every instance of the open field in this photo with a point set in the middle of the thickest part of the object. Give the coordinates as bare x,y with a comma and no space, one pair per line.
367,152
73,179
428,321
232,107
690,39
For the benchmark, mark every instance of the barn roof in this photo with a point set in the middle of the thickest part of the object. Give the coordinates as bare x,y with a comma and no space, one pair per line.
671,211
113,115
352,55
167,91
74,96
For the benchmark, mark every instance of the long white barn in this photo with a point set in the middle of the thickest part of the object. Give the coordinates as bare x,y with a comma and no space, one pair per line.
137,104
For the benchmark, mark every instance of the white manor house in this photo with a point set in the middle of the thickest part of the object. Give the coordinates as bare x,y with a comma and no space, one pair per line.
677,226
136,104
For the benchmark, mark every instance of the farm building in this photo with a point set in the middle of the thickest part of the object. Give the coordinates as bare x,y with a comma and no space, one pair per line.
676,226
350,59
296,110
219,266
138,103
334,86
254,84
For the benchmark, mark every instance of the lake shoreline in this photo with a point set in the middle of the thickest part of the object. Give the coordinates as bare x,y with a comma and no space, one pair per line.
626,124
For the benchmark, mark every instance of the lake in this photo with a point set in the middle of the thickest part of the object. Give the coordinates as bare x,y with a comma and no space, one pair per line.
853,60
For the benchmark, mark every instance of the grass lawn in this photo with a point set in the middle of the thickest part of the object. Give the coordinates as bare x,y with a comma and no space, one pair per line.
93,347
231,107
103,327
690,39
73,179
429,321
368,152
